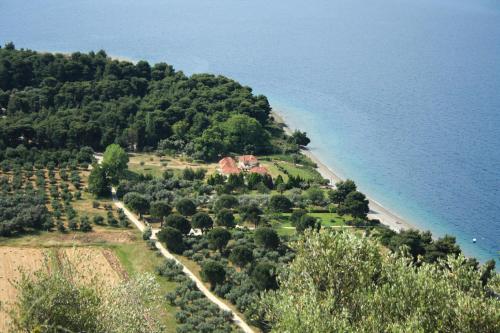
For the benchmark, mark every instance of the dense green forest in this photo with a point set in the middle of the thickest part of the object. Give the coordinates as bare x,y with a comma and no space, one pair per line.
70,101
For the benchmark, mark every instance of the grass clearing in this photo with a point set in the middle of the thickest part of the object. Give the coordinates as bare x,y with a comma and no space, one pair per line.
155,165
136,258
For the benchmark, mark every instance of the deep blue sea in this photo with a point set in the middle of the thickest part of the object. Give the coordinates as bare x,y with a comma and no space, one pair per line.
401,95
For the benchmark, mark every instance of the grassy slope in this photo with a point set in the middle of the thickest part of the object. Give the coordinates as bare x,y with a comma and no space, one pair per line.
136,258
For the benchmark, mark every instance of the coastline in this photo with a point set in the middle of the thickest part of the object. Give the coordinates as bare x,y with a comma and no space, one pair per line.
377,211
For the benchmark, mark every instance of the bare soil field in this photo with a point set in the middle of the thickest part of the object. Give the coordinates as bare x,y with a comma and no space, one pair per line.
92,264
98,236
12,261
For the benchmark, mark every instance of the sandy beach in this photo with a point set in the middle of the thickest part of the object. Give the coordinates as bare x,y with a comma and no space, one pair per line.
377,211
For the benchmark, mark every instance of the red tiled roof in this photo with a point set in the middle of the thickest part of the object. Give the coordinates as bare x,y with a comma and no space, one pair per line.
227,162
260,170
246,159
227,170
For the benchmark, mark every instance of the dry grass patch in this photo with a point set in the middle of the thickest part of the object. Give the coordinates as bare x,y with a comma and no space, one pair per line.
155,165
93,264
99,236
12,262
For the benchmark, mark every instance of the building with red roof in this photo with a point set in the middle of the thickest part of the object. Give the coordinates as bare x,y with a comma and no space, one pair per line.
247,162
260,170
229,170
227,162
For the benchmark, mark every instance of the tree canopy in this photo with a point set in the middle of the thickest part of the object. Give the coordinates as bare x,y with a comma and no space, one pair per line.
349,286
115,161
60,101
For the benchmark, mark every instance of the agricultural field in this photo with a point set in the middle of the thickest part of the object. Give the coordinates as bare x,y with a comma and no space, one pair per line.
88,262
104,255
152,164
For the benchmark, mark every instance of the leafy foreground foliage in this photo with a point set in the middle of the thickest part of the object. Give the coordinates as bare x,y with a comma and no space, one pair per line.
349,286
60,300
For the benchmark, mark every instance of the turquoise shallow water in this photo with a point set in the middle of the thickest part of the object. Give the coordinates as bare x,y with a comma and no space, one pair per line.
401,95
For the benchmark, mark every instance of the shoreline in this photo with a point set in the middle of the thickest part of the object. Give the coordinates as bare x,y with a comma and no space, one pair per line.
377,211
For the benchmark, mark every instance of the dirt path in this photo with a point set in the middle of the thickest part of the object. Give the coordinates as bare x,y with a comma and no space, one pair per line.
141,226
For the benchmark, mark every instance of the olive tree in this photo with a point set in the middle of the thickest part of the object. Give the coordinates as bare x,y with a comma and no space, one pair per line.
172,238
186,207
202,221
213,272
218,238
341,282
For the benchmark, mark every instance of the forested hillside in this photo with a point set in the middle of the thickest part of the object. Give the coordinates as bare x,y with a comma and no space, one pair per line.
69,101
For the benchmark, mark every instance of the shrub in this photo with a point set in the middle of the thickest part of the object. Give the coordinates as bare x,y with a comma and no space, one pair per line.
296,216
98,220
147,233
60,226
72,224
85,224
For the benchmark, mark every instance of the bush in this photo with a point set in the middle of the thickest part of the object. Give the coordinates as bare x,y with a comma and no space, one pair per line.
296,216
72,224
60,226
98,220
85,224
58,300
146,235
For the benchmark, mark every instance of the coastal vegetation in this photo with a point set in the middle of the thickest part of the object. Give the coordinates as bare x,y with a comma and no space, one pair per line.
281,248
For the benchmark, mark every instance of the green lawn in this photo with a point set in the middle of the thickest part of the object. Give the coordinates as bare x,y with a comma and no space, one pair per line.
302,171
137,258
154,170
327,219
283,225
